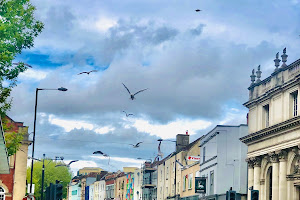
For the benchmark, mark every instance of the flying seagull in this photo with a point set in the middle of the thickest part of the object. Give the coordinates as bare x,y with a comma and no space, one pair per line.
132,95
127,115
88,73
67,165
100,152
25,64
103,154
197,10
136,145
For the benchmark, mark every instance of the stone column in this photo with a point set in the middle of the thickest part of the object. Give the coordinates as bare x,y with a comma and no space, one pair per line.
257,164
282,175
275,176
250,176
262,192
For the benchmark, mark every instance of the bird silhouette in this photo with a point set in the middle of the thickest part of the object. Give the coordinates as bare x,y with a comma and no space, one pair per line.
197,10
136,145
25,64
132,95
67,165
103,154
100,152
88,73
127,115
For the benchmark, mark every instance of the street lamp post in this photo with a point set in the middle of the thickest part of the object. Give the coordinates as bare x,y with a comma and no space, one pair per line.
34,125
43,175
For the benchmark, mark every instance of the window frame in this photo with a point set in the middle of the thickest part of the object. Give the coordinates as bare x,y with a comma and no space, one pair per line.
294,103
190,181
203,153
266,115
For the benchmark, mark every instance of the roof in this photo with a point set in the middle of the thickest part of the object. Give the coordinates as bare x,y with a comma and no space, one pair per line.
4,164
213,130
189,146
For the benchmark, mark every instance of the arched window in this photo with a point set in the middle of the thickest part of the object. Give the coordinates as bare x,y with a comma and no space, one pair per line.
2,194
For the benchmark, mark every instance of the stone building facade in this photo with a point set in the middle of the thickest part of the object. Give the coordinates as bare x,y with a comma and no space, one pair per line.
274,132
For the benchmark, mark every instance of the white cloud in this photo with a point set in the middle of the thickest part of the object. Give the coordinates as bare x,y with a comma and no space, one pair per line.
69,125
101,24
33,74
104,23
119,159
104,130
171,129
234,117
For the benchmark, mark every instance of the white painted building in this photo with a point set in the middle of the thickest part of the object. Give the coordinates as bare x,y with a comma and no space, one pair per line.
91,192
223,161
138,180
99,190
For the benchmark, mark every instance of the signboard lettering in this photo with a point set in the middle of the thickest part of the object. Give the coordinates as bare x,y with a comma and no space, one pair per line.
194,158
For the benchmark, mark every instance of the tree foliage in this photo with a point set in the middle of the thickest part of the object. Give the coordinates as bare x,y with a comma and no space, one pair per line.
12,139
52,174
18,28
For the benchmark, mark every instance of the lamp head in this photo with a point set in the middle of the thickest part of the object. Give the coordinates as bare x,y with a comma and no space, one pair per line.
62,89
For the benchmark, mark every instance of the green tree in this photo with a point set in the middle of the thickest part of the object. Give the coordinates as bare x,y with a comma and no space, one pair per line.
18,28
12,139
52,174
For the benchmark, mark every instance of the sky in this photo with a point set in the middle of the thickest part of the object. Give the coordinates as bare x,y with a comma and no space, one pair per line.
196,66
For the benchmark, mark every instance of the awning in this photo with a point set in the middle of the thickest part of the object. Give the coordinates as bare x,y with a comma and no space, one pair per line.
4,167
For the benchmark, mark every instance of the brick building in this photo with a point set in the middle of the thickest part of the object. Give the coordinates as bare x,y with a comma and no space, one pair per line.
13,180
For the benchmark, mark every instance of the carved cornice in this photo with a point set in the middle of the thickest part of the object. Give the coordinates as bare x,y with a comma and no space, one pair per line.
273,157
272,130
282,155
296,150
256,161
250,162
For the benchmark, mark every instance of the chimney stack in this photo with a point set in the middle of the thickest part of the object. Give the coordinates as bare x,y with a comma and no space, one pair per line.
182,140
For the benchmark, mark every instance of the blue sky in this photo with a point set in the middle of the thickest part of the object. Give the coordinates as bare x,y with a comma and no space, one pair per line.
195,64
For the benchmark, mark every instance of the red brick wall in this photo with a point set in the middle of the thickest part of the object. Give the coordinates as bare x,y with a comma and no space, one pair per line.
8,180
14,125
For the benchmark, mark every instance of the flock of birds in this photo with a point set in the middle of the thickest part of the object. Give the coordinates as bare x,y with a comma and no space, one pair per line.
132,97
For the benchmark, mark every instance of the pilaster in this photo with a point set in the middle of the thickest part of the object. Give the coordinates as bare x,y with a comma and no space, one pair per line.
257,164
250,175
275,175
282,155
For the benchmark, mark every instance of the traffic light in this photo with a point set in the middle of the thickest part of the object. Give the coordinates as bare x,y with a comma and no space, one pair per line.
230,195
52,191
254,195
58,191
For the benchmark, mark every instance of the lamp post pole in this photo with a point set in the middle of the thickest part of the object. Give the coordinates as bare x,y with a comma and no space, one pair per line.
34,126
33,140
43,175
